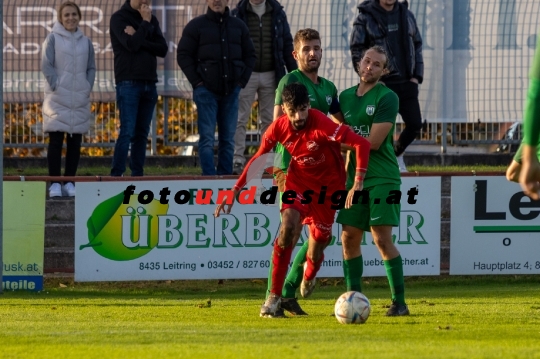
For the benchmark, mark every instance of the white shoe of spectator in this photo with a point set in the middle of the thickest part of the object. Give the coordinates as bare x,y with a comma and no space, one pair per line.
55,190
68,190
401,164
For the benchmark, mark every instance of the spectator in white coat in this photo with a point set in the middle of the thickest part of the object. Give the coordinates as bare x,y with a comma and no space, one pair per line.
68,63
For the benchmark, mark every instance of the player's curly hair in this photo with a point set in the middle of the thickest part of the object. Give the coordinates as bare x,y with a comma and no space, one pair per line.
305,35
295,95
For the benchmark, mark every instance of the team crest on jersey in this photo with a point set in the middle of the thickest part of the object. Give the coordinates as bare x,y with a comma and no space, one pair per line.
312,146
329,99
370,110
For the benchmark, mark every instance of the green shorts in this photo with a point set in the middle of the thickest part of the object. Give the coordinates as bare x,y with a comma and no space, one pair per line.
364,216
519,153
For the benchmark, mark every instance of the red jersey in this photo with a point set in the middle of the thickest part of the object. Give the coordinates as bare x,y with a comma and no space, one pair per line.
315,150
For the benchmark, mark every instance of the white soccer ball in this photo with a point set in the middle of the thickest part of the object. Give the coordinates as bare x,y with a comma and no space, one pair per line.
352,308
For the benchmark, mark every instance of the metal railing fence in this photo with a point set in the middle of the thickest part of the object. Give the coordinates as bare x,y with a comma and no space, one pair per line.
175,126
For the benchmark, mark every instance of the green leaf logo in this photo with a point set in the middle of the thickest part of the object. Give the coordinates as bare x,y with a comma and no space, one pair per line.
123,232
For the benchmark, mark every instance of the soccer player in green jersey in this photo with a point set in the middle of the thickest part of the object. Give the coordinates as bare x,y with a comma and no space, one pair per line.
370,108
527,171
323,96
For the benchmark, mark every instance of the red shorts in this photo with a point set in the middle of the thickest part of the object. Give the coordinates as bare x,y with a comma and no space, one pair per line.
318,217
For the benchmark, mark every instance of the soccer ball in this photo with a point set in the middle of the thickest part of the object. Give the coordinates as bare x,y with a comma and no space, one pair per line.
352,308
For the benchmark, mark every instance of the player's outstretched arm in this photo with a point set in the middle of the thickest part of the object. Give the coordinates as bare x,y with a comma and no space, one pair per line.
224,206
529,178
362,148
253,168
358,185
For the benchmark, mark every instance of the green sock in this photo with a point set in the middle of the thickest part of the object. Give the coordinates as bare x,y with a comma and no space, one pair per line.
296,273
352,271
394,272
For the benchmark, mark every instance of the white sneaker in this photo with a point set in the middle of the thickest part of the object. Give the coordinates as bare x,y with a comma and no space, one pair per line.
271,306
307,286
68,190
55,190
401,164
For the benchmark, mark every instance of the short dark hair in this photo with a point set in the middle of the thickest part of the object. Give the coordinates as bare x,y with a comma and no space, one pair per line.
66,4
305,35
295,95
379,49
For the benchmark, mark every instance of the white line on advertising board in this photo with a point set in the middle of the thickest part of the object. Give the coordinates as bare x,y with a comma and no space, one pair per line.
147,240
495,228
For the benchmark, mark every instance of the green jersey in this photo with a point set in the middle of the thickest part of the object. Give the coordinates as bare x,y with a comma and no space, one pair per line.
321,97
378,105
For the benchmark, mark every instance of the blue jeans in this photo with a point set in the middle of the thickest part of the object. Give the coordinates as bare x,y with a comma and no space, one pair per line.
215,109
136,101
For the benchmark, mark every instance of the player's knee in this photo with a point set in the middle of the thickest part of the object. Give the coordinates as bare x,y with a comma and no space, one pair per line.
347,242
287,234
383,244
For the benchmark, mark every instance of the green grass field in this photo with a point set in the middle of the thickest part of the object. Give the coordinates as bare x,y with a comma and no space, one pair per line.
451,317
175,171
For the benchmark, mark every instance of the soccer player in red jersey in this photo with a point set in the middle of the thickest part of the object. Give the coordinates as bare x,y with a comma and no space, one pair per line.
315,173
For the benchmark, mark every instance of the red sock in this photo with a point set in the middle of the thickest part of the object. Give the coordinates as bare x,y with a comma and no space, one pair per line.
312,268
280,261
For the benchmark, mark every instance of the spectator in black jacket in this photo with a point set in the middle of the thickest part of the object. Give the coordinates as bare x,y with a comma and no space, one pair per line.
272,39
217,56
390,24
136,41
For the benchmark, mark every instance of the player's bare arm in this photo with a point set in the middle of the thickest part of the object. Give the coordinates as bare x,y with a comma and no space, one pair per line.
278,112
377,135
224,207
248,173
337,117
529,178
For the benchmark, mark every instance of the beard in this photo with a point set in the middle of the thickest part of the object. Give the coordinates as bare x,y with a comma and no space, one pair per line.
299,124
311,67
369,79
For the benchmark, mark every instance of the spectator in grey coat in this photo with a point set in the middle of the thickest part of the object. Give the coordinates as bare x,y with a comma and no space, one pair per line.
68,64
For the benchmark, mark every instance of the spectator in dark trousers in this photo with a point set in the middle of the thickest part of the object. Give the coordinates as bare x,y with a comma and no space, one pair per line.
272,39
68,63
390,24
217,56
136,41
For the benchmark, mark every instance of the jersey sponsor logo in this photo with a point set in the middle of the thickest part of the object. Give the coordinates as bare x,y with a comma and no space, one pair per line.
288,144
370,110
376,218
325,228
347,114
333,137
328,99
310,161
312,146
312,98
268,139
362,130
